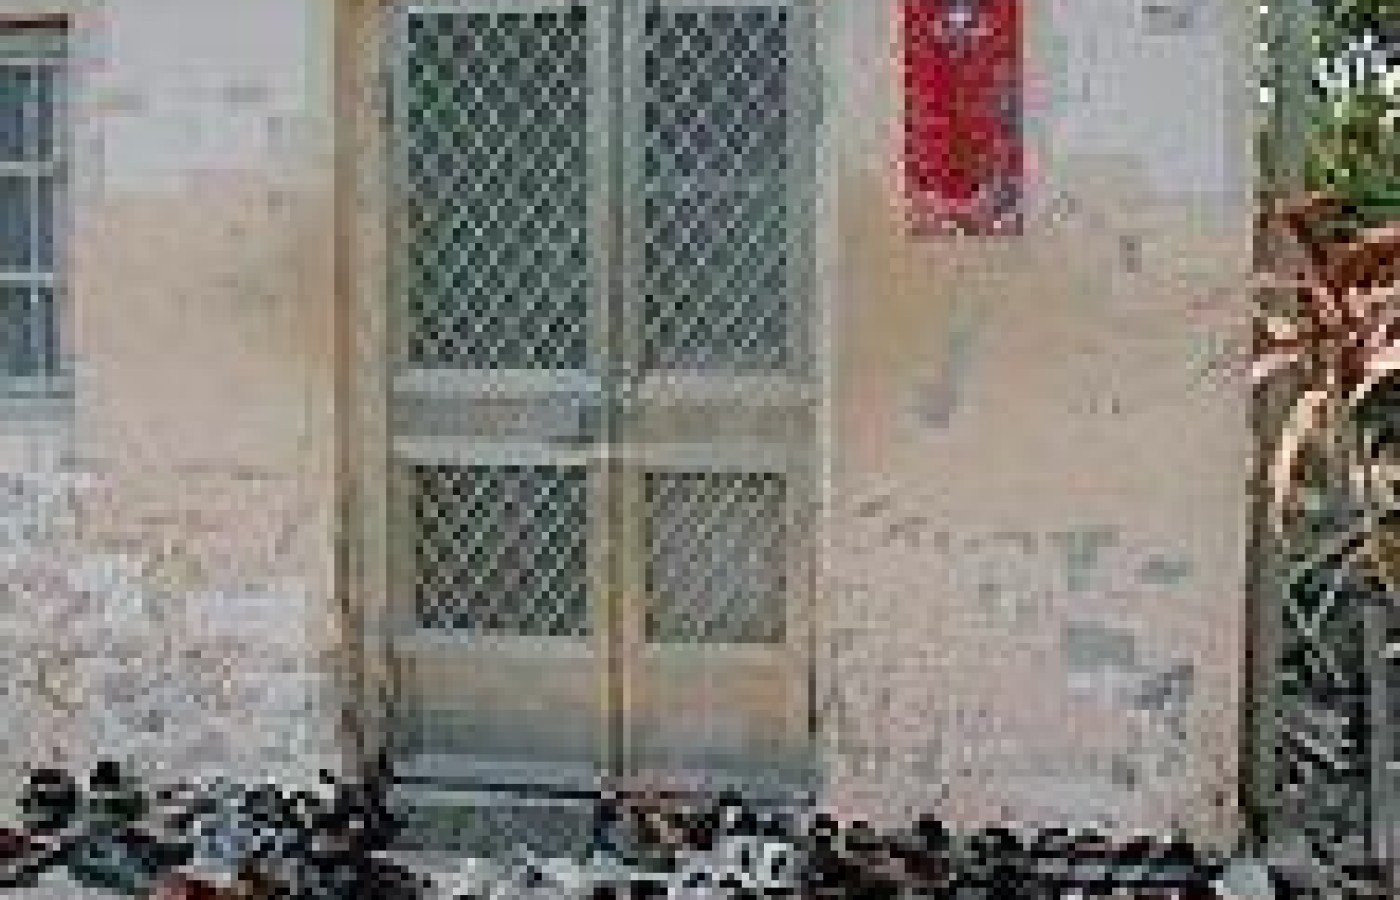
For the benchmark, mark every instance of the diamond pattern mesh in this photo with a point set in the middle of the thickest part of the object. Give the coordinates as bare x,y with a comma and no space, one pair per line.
717,210
501,192
496,274
496,200
716,547
503,549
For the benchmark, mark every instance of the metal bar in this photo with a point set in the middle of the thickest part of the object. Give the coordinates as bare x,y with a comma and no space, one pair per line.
35,168
37,327
744,390
30,62
616,377
16,277
488,6
525,647
477,384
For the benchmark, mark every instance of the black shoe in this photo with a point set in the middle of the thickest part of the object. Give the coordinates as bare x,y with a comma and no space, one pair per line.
50,801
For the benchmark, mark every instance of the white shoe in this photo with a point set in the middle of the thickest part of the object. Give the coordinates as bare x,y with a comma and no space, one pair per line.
1245,879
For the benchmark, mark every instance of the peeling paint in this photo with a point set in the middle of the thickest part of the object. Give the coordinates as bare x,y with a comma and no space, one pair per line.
1026,540
1175,685
1165,571
1081,548
1088,646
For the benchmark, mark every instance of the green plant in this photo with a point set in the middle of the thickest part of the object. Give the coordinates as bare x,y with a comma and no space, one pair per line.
1329,321
1352,146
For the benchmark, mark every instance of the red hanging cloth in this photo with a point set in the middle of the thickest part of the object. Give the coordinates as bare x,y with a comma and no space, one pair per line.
962,115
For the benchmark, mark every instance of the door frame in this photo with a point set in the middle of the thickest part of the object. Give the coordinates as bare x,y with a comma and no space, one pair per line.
372,680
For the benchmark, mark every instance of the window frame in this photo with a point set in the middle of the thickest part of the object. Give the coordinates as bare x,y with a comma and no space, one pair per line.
415,658
29,397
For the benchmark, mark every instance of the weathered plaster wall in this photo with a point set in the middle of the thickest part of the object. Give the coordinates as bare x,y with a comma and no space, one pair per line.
1036,558
202,429
1037,502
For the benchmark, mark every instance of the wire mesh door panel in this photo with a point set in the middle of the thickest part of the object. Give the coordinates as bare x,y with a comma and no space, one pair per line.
716,692
602,412
718,117
501,186
501,158
716,441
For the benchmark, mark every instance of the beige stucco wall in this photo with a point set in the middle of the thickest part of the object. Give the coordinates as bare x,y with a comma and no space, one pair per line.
201,435
1025,461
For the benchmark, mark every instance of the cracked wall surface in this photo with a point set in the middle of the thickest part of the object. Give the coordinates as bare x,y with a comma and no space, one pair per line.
1035,597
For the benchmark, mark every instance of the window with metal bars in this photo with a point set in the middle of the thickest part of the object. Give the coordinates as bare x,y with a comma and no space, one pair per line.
32,57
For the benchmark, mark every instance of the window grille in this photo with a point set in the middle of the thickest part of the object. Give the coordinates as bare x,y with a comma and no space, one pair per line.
503,549
716,556
31,173
496,266
717,214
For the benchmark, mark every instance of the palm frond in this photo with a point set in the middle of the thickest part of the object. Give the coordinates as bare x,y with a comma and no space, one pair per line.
1339,335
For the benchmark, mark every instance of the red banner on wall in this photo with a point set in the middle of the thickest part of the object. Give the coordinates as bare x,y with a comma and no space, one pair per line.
963,164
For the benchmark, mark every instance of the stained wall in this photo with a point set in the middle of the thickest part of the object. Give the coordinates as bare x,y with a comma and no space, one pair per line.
1036,525
1033,591
181,612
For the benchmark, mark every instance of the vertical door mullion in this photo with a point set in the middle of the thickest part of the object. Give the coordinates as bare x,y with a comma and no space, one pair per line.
606,226
397,155
402,614
60,139
405,717
623,368
690,664
800,183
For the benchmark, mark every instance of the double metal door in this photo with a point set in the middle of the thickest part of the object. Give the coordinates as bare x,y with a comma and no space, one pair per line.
604,396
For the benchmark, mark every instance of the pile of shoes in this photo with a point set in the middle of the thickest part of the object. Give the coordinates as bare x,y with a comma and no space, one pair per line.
96,836
207,842
320,845
929,860
731,848
677,846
